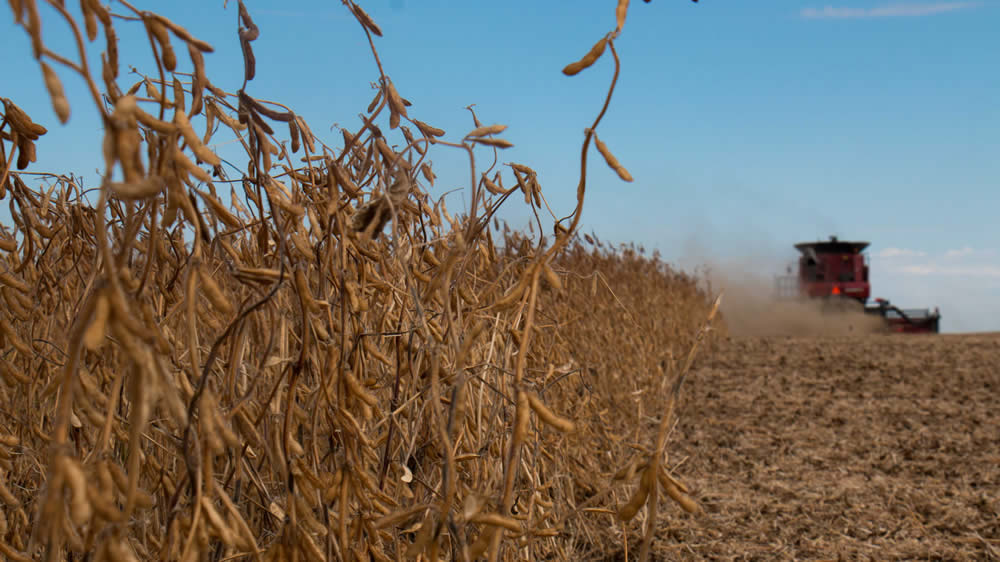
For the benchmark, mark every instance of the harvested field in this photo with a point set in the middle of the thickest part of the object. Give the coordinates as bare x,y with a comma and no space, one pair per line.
878,447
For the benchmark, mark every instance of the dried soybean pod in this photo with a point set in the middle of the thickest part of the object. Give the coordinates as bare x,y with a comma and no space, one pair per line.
135,87
489,130
374,352
252,31
151,90
93,336
20,120
303,245
409,135
220,210
307,138
499,143
638,499
620,12
15,304
365,19
183,34
478,548
100,11
112,49
428,130
548,416
302,286
34,28
198,79
344,180
590,58
190,166
10,280
178,94
359,391
209,122
80,507
12,554
249,61
611,160
512,296
552,277
522,416
159,31
10,375
293,133
387,152
146,187
219,92
497,520
187,131
233,124
216,521
159,126
283,116
89,19
247,428
428,173
375,101
523,169
492,187
676,493
214,293
25,152
396,105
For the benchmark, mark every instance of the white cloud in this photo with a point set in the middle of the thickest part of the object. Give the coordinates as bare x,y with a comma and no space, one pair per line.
965,261
959,253
905,9
981,270
900,253
967,251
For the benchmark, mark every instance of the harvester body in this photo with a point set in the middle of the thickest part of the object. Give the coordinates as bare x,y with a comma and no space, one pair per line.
837,272
834,269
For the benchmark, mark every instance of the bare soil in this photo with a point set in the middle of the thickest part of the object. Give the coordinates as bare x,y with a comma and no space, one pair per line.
881,447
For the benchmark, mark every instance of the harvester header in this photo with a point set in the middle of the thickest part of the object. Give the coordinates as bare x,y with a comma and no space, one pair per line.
837,272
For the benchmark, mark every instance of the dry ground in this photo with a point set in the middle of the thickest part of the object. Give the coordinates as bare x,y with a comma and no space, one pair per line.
852,448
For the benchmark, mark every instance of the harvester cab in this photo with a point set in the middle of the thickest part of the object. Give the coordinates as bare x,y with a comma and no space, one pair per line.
834,269
837,272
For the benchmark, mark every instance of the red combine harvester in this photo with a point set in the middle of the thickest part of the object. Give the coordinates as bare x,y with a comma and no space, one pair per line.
837,272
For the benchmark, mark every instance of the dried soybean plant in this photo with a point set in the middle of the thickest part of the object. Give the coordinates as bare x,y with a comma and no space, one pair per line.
330,365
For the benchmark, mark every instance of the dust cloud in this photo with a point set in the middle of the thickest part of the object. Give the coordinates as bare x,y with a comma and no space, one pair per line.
751,307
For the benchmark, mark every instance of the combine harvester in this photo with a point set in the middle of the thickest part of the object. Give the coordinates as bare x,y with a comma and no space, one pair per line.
837,272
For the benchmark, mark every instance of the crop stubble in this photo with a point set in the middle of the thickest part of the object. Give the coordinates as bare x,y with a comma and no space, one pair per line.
857,447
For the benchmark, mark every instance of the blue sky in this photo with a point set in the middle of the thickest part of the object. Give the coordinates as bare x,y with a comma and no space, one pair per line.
747,126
